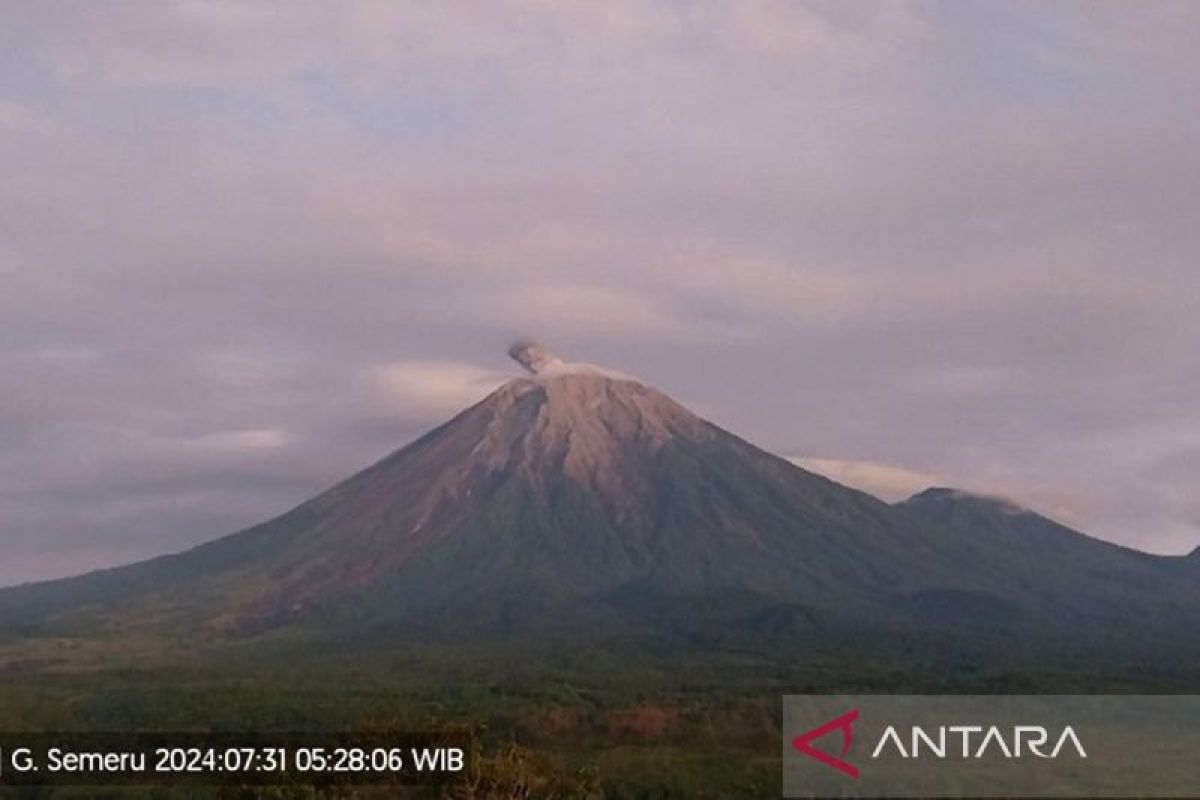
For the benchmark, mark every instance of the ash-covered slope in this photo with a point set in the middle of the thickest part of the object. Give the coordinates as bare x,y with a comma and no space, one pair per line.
573,488
580,499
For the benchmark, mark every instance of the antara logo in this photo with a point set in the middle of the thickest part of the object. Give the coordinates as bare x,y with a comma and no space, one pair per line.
1020,740
844,723
944,741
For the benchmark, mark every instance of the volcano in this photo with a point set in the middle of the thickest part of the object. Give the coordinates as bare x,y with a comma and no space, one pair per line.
577,500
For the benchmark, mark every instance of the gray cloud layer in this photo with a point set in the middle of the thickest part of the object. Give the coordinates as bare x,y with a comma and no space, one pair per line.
246,248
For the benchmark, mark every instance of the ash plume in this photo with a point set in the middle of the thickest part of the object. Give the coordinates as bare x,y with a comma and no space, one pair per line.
533,356
545,365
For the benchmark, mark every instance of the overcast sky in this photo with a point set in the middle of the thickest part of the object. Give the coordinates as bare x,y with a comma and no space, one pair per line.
247,248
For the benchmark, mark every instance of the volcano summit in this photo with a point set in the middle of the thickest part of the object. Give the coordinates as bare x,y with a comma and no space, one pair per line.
580,501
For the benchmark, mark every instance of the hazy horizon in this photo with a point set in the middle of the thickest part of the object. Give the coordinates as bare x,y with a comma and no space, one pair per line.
249,249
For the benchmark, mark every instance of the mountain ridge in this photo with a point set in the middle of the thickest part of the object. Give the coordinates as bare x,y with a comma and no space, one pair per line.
582,500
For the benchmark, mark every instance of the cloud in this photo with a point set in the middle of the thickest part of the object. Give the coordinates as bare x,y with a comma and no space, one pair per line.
589,310
894,483
247,250
886,482
267,438
438,387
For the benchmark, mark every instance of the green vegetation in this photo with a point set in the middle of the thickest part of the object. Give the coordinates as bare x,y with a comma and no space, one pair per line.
628,719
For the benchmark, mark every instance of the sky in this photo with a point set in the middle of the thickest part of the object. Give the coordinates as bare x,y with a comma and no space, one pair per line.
247,248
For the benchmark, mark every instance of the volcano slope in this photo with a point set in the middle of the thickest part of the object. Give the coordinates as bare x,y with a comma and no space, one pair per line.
579,504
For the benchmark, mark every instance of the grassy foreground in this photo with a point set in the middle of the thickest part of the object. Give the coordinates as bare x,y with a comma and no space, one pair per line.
626,719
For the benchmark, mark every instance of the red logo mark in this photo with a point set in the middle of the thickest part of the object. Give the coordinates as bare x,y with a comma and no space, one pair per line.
844,723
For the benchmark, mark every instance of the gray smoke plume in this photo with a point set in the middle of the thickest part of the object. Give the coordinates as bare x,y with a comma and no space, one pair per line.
533,357
544,365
